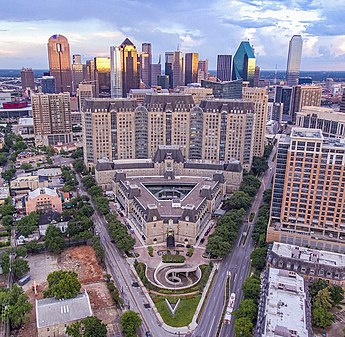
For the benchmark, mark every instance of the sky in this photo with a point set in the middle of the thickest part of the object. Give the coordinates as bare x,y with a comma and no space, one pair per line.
209,27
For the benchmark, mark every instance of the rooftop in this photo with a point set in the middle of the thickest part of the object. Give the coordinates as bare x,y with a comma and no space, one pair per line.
308,255
50,311
297,132
285,310
43,190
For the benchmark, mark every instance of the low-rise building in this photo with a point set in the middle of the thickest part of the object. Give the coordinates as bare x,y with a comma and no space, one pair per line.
29,157
312,264
284,308
53,316
52,218
28,182
43,200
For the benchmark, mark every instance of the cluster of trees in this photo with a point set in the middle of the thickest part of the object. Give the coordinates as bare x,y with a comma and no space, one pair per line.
130,321
260,164
221,241
323,298
247,311
54,240
114,293
15,305
77,153
118,232
13,260
12,147
96,244
6,212
101,202
80,167
88,327
69,178
62,284
28,224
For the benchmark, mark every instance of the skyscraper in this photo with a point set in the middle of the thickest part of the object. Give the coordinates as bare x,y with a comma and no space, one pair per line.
294,60
256,76
60,62
77,72
145,64
202,70
48,84
244,63
102,76
124,67
168,68
191,69
85,91
156,70
224,67
27,77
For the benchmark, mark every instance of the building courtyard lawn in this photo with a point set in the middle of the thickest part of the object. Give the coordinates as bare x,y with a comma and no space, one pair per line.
184,313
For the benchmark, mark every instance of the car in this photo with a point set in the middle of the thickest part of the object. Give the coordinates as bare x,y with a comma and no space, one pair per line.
148,334
189,246
135,284
202,240
179,245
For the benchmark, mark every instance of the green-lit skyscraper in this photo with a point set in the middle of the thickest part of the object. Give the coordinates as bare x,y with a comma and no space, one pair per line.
244,63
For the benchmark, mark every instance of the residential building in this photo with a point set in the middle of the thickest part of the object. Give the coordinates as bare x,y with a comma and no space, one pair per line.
304,95
294,60
224,90
244,63
26,183
84,91
54,315
224,66
60,62
284,307
48,85
308,205
275,112
43,200
197,92
27,78
191,68
52,219
312,264
52,118
25,128
331,122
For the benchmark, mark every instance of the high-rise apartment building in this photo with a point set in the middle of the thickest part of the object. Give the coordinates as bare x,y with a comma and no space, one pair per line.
202,70
260,99
283,95
27,78
244,63
224,66
304,95
60,62
125,69
84,91
52,118
191,68
308,201
214,131
48,85
102,76
294,60
77,72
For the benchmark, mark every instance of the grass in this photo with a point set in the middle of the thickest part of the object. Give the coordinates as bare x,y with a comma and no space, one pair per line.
184,313
172,258
251,217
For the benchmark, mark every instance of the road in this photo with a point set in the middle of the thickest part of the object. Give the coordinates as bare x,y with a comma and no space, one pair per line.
238,263
134,298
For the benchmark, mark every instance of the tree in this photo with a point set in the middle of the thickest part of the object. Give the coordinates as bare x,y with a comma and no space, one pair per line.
19,268
321,317
79,166
77,153
251,288
3,159
102,204
337,294
323,299
259,165
315,287
26,166
88,327
247,308
79,225
258,258
7,208
130,321
28,224
86,210
250,185
238,200
243,327
218,246
89,181
7,221
267,196
54,240
62,284
8,174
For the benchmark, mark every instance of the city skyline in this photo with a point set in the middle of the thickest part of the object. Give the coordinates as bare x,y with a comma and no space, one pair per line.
269,27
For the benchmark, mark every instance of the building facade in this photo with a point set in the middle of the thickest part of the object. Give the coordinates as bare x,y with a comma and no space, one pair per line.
308,192
52,118
48,85
43,200
294,60
77,72
224,90
60,62
224,66
191,68
102,76
202,70
27,78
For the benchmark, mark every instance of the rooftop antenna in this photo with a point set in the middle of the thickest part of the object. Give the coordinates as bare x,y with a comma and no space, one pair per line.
178,47
159,59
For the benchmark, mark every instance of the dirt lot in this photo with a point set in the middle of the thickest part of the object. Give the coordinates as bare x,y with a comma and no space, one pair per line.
83,261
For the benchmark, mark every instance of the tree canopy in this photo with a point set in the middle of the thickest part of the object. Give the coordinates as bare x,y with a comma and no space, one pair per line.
62,284
251,288
243,327
88,327
54,240
130,321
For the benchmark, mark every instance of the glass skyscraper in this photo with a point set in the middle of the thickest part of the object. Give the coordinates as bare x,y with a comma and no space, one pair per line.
244,63
294,60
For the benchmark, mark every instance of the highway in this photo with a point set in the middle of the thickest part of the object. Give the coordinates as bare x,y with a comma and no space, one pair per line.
238,263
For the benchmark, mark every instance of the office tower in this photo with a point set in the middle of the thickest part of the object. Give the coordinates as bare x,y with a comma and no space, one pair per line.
260,99
90,71
256,76
125,72
224,63
294,60
304,95
163,81
226,90
191,68
156,70
305,80
308,191
145,64
178,69
283,95
60,62
244,63
202,70
102,76
48,85
275,112
84,91
52,119
342,103
77,72
169,59
329,121
27,78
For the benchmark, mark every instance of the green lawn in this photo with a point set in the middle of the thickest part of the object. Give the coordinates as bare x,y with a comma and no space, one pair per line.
184,313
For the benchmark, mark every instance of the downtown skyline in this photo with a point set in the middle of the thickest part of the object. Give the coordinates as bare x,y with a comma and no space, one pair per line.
211,29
